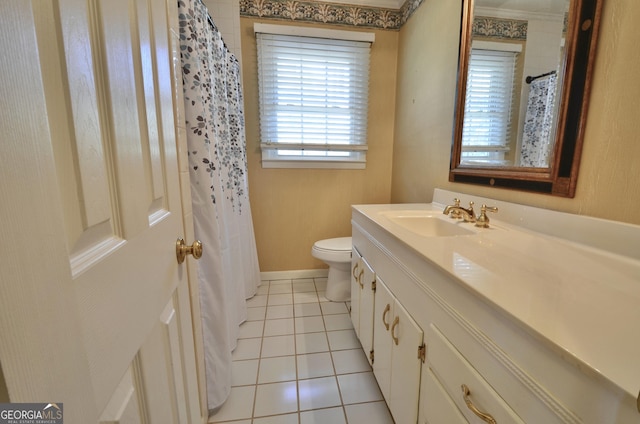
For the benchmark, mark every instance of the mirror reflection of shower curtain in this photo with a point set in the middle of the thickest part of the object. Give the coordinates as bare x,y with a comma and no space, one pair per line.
538,126
228,272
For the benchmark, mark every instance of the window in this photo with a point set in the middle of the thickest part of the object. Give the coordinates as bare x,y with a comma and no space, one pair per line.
488,119
313,97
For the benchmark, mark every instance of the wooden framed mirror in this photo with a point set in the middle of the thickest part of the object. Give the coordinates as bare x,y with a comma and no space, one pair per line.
524,74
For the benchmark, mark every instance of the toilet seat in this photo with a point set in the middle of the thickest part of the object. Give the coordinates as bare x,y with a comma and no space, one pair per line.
335,249
340,244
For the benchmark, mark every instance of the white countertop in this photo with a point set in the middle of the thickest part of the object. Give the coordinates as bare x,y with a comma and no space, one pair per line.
584,300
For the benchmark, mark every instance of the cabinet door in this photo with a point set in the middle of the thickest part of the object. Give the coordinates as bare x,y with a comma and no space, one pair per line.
367,300
406,339
383,306
356,265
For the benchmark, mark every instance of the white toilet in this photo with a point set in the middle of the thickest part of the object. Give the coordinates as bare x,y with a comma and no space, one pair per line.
336,253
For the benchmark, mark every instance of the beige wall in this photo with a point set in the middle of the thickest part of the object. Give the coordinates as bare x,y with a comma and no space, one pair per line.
293,208
609,180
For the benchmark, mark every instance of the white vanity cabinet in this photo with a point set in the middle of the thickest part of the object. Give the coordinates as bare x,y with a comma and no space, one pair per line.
513,372
390,338
363,287
396,366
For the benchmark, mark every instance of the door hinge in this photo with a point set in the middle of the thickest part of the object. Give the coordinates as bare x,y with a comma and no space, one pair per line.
371,356
422,352
373,285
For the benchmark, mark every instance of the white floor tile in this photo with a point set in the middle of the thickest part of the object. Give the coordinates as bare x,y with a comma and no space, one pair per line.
263,289
368,413
280,299
281,311
278,346
309,324
278,327
277,419
307,297
303,286
274,370
278,282
280,289
276,398
306,309
318,393
323,416
322,296
330,308
311,343
257,300
244,373
338,322
251,329
343,339
349,361
239,405
247,349
315,365
256,314
357,388
321,284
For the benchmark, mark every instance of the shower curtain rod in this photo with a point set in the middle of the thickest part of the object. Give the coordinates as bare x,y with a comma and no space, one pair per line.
530,79
215,28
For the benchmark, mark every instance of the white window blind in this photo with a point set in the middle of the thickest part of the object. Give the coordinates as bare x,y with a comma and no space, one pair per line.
488,106
313,101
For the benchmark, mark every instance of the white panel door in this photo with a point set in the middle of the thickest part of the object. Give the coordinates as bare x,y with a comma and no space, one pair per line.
94,309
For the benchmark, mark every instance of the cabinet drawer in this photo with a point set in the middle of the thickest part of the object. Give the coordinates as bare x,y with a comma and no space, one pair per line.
454,371
440,408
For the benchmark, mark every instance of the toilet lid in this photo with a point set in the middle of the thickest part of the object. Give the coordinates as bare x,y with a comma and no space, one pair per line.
340,244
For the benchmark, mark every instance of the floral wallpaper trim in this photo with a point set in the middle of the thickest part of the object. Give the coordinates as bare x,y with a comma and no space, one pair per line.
330,13
369,17
510,29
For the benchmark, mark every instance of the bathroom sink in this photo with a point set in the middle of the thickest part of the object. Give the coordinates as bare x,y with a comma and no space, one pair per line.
428,225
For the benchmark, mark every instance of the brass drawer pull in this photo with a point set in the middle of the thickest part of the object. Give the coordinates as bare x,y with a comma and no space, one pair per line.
360,279
482,415
393,327
353,271
384,316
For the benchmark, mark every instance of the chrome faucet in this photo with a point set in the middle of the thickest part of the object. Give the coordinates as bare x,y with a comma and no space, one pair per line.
467,214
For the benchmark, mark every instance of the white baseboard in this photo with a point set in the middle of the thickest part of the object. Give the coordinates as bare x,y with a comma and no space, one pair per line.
291,275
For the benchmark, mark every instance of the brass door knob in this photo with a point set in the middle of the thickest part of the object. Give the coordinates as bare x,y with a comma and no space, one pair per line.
182,250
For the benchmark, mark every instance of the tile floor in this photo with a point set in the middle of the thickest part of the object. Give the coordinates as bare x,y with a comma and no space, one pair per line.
298,361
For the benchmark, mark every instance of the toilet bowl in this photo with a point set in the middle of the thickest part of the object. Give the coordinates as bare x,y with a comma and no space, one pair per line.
336,253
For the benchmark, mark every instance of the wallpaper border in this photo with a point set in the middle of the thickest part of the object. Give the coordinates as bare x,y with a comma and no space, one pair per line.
330,13
505,29
369,17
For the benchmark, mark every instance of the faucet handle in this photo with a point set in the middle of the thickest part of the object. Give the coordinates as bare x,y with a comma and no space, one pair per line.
483,219
455,214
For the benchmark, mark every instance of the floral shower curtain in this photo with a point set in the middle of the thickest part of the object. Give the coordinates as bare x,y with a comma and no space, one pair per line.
228,271
536,140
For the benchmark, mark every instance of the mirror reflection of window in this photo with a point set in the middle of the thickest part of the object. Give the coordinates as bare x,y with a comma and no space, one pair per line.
490,115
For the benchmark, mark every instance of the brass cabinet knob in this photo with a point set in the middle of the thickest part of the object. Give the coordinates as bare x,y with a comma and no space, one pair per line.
182,250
